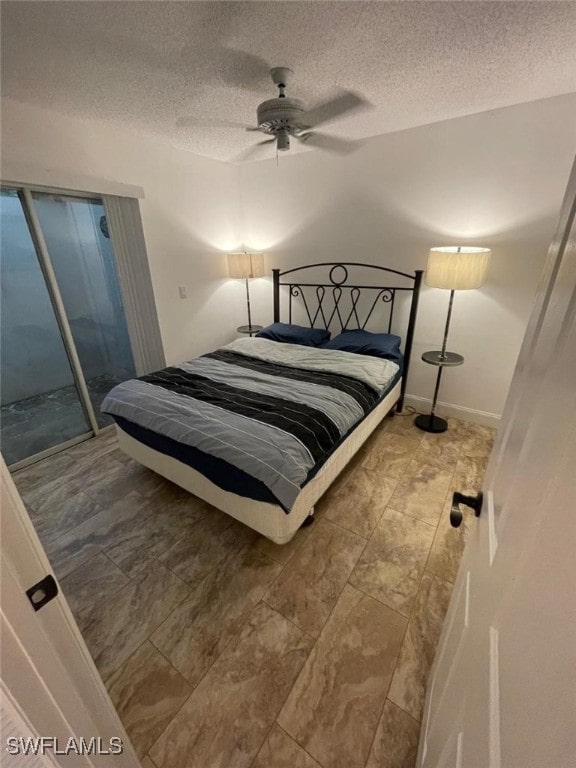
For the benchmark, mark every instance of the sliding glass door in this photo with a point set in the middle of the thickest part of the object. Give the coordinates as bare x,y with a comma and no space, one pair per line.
64,337
76,234
40,404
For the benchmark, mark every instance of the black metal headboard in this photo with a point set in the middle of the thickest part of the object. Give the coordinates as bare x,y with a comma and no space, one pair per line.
335,300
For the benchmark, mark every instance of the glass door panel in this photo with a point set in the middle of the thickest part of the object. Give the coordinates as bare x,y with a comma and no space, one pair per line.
80,249
40,406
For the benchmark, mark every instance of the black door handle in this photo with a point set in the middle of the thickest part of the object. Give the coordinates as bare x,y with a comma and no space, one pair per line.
43,592
474,502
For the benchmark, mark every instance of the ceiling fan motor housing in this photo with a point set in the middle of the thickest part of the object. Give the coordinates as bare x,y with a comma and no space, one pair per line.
281,114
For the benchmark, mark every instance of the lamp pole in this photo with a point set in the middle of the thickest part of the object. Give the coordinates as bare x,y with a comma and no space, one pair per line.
447,326
248,305
442,359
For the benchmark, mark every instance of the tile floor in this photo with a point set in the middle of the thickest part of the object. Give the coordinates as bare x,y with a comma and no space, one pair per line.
223,650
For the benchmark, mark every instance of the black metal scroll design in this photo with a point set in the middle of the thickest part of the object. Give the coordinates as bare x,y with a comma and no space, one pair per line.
334,302
324,305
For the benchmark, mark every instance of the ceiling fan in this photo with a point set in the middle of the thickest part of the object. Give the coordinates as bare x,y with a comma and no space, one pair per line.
285,117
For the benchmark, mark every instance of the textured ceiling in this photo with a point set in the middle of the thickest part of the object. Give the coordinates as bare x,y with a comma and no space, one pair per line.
179,69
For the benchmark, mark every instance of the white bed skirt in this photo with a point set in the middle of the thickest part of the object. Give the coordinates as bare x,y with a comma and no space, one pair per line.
268,519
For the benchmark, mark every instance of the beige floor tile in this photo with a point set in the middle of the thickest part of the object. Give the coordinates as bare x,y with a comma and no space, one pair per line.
421,492
197,632
480,430
392,564
396,741
170,495
334,707
241,653
158,532
358,504
280,751
43,472
206,545
119,520
402,424
408,687
69,480
121,480
55,517
50,494
437,481
391,454
178,508
92,584
448,546
456,428
94,449
309,586
248,684
118,455
469,474
479,441
355,462
147,693
131,616
91,471
439,450
282,553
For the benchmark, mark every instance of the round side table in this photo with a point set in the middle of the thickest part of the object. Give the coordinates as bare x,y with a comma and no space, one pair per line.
430,422
249,329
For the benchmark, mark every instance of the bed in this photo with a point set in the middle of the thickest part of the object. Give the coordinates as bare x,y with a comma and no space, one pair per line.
261,428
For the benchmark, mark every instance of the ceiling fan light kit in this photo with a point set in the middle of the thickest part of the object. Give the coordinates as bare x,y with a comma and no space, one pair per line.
282,116
285,116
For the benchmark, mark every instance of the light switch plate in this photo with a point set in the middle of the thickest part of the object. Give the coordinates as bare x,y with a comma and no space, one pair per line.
182,292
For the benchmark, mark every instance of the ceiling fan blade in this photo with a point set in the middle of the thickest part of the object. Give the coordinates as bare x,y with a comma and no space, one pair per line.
329,143
247,154
346,101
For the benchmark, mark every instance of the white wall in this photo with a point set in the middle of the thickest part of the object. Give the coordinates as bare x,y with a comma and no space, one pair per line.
494,179
189,212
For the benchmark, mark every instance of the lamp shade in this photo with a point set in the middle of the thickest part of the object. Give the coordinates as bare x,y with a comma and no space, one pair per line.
246,265
458,268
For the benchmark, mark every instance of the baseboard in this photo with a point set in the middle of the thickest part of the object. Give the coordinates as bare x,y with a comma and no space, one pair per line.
423,405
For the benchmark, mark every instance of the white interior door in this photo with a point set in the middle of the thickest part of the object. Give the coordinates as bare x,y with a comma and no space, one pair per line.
502,690
47,674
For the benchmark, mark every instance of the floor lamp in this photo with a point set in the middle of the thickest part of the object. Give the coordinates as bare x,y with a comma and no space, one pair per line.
455,268
246,266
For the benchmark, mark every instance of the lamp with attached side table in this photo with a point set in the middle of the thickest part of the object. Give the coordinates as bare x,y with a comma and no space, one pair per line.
456,268
246,266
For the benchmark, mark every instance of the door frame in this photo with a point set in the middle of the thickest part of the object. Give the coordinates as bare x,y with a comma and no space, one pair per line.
51,678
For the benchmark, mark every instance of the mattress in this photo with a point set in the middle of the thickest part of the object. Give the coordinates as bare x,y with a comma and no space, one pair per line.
218,471
257,418
267,518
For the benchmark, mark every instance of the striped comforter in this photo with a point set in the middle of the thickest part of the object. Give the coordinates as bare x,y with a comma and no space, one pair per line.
273,410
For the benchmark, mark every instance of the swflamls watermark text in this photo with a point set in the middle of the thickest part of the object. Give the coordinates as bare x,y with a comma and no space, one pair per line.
42,745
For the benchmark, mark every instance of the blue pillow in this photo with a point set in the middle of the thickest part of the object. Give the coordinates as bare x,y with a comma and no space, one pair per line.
384,345
294,334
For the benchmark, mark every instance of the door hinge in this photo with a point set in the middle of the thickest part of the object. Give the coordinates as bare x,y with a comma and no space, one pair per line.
43,592
474,502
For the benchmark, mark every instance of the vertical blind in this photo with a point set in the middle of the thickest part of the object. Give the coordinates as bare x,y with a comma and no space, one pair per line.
123,214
